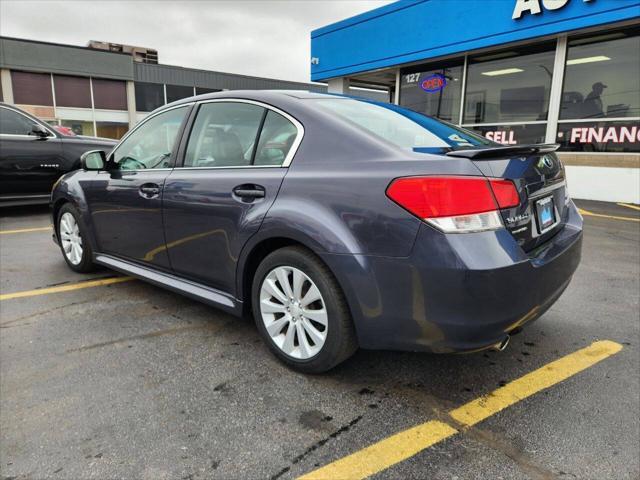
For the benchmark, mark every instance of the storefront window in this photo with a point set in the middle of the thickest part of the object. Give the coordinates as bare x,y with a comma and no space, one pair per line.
513,134
602,75
509,86
600,136
111,129
79,127
433,90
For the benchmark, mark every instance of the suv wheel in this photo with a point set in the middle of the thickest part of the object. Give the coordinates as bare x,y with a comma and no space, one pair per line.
301,312
73,243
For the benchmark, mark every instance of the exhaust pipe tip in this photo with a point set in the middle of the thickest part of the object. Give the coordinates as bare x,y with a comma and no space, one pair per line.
499,347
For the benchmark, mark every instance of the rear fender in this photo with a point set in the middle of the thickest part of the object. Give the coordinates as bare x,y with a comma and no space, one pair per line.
310,225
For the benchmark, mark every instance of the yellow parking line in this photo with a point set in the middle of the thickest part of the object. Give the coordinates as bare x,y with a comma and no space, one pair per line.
64,288
24,230
613,217
405,444
628,205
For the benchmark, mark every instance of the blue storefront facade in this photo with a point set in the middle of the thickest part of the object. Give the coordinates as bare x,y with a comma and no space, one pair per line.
516,71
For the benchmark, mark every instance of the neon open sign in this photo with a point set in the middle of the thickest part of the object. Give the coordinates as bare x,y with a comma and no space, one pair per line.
434,83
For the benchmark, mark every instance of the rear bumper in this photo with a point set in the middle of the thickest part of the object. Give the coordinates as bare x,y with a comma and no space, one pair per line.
456,292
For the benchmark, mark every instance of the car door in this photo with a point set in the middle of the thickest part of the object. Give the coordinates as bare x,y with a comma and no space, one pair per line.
233,166
125,200
29,164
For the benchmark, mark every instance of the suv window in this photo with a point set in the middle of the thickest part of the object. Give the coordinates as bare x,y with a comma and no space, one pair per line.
224,135
12,123
276,139
150,145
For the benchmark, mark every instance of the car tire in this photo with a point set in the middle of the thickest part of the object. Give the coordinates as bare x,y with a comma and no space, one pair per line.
72,238
312,347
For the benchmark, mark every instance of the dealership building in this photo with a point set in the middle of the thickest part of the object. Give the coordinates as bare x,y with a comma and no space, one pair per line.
515,71
104,88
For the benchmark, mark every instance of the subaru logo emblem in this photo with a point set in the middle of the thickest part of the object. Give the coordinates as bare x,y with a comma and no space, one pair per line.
546,161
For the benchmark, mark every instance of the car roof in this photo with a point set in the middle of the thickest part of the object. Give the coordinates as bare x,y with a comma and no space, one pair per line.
258,95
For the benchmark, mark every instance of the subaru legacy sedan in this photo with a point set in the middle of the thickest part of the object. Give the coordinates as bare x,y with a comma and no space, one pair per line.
338,223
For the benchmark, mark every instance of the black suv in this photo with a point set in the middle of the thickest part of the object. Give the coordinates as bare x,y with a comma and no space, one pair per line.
33,155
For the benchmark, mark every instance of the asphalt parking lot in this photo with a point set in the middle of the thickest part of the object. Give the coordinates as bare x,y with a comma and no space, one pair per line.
120,379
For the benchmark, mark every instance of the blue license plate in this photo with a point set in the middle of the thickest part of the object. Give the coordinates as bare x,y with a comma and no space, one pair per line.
546,213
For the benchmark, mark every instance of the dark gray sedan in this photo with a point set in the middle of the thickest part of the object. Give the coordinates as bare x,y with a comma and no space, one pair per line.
337,222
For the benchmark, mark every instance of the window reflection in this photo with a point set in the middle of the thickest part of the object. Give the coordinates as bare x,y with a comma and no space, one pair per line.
433,91
509,86
151,144
601,76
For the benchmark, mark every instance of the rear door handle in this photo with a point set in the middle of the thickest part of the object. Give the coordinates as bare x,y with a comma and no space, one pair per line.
149,190
249,191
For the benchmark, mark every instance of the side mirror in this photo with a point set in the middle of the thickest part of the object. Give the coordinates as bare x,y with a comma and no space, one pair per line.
93,160
39,131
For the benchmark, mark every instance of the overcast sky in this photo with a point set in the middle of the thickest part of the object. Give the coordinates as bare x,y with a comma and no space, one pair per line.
263,38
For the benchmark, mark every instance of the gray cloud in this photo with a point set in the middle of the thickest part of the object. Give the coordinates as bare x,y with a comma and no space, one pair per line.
264,38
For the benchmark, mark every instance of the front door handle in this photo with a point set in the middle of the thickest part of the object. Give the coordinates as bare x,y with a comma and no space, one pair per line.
249,191
149,190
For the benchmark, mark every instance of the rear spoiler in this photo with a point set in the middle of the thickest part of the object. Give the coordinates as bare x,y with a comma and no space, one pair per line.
515,151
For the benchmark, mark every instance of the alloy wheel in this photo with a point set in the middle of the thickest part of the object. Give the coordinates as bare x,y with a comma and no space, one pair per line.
293,312
70,238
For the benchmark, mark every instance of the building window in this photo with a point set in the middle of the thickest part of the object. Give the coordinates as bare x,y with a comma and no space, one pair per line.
111,129
203,90
601,76
602,136
433,90
177,92
509,86
72,91
513,134
149,96
79,127
31,88
601,84
109,94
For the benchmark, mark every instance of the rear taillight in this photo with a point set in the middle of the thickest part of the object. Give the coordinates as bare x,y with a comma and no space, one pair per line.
505,193
455,204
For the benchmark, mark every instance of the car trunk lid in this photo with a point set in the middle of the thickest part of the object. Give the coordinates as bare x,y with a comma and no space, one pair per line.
539,178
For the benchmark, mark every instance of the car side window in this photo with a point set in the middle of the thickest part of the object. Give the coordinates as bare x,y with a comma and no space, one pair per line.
12,123
276,139
224,135
150,146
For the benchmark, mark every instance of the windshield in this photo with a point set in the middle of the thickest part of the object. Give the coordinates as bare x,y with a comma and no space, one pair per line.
402,127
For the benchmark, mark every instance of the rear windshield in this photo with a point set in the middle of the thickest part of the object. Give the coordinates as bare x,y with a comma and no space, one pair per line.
402,127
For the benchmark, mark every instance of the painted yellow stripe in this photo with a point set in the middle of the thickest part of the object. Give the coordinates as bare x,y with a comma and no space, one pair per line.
555,372
403,445
628,205
64,288
385,453
24,230
612,217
